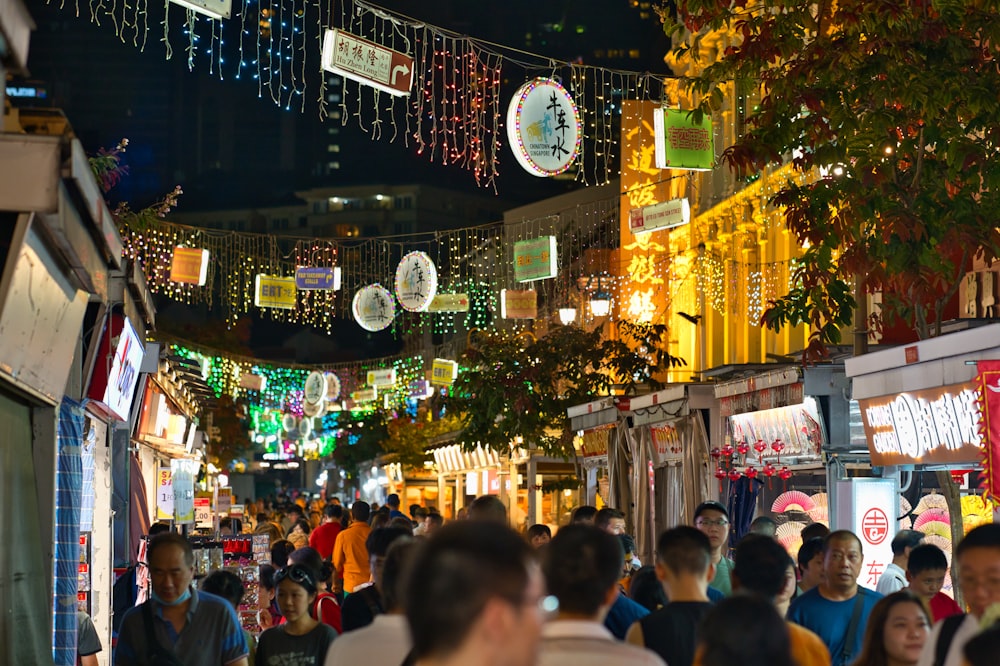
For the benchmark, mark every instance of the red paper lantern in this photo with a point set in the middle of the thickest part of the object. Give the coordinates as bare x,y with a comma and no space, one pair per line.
784,474
715,453
769,471
727,450
743,448
734,475
778,446
751,472
720,474
760,446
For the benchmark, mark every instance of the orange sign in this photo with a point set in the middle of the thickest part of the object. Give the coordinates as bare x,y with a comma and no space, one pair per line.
518,304
189,266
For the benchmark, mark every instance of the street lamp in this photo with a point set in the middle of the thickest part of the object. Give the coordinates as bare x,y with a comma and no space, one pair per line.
567,316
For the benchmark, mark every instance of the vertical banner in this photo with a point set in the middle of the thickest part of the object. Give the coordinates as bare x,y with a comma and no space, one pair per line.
164,493
183,483
988,382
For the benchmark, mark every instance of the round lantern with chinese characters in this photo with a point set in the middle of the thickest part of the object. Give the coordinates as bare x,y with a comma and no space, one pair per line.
544,127
374,307
416,282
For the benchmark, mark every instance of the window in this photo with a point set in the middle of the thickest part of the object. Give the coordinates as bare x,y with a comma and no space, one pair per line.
303,221
403,203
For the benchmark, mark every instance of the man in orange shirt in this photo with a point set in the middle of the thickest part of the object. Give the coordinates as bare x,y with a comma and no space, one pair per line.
350,556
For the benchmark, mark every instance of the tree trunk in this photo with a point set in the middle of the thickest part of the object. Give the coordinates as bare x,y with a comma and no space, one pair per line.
950,491
860,317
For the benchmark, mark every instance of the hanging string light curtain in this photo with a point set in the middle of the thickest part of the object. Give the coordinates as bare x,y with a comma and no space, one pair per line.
453,112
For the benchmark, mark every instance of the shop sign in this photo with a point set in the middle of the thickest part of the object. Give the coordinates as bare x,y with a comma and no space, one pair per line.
544,127
535,259
937,425
120,389
386,377
189,265
449,303
164,493
225,501
369,394
314,391
664,215
420,389
274,292
203,512
988,382
332,386
869,508
765,398
253,382
595,442
797,426
416,282
443,372
367,62
374,308
310,278
682,142
518,304
667,447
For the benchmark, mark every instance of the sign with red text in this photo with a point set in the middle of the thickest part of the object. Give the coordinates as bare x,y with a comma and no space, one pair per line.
868,508
367,62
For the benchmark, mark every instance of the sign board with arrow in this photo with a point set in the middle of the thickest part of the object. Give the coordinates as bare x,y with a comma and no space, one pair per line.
367,62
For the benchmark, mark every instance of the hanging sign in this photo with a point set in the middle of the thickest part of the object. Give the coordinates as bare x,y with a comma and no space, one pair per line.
253,382
274,292
370,63
189,265
544,127
183,472
332,386
312,409
682,143
518,304
214,9
420,389
315,278
535,259
416,282
225,501
385,377
314,391
664,215
368,394
443,372
449,303
988,382
374,307
203,511
164,493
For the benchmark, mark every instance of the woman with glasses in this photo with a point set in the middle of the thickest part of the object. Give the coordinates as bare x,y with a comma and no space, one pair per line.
301,640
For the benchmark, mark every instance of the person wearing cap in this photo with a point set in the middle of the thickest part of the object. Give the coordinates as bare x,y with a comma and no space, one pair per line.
712,519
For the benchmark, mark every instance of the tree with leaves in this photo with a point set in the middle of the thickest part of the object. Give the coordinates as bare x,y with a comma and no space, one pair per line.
893,106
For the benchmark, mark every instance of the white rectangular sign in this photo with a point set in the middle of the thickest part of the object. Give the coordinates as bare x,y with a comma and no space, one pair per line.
216,9
663,215
869,508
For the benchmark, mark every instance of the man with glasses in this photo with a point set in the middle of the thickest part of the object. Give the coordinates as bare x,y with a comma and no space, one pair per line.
837,609
712,520
179,624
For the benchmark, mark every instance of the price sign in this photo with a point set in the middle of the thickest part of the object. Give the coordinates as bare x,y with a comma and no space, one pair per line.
164,493
203,512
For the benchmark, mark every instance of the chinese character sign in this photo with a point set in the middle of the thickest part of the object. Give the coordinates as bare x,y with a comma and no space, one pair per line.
374,307
416,282
868,507
544,127
683,142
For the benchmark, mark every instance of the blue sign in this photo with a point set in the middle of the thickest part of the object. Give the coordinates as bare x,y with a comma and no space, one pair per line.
317,278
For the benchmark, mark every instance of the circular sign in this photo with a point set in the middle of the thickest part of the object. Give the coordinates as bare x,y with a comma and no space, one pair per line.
315,388
288,422
374,307
416,282
312,409
332,386
874,526
544,127
305,427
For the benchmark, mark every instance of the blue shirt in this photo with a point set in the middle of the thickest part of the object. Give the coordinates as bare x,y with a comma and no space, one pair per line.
623,614
831,619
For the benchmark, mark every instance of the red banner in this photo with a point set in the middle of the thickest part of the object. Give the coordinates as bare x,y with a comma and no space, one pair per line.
988,382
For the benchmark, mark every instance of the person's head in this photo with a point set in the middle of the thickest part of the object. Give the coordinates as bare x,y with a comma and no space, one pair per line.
433,522
171,566
296,589
309,557
360,511
402,523
475,586
744,629
982,649
582,565
583,514
400,552
764,525
392,501
332,513
646,590
810,560
760,566
712,519
294,512
488,508
260,519
978,560
684,552
842,560
159,528
379,519
265,586
610,520
813,530
538,535
926,569
904,542
377,545
896,631
224,584
300,526
280,550
226,526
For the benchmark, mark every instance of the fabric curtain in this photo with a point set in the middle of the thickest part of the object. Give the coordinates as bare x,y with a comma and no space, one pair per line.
138,506
742,504
669,498
640,441
619,473
68,500
696,469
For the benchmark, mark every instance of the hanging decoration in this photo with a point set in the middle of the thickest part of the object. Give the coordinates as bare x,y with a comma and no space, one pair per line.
416,282
682,142
367,62
535,259
317,278
516,304
314,392
332,386
374,308
544,127
271,291
189,265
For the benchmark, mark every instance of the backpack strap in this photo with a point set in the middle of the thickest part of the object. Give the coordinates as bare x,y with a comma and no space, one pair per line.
949,627
852,629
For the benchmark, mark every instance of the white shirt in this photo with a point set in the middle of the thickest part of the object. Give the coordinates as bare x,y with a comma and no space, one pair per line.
966,631
893,580
385,641
588,643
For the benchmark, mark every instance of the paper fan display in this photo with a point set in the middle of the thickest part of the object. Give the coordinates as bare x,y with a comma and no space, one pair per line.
931,501
975,512
940,542
789,535
820,500
820,514
792,500
904,506
932,515
933,527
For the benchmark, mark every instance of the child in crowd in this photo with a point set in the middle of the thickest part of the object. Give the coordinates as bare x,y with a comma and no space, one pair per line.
925,571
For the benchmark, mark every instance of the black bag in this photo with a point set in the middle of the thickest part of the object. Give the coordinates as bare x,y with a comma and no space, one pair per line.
156,654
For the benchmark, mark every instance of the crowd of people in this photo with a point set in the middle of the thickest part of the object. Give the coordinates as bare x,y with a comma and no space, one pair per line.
378,586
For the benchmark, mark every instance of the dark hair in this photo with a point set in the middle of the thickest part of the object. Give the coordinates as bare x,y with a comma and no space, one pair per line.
267,576
397,558
461,568
982,649
310,557
402,523
582,514
906,539
873,648
334,511
299,574
378,520
764,523
380,539
280,550
604,517
170,539
746,630
295,508
436,518
360,511
813,530
809,550
646,589
417,511
581,564
224,584
925,557
392,500
684,549
841,535
627,544
261,518
760,563
302,523
489,508
159,528
537,530
984,536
